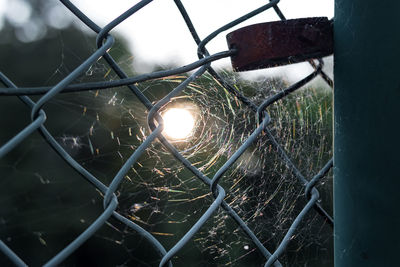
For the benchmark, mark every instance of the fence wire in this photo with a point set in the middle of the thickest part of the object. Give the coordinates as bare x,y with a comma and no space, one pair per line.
104,42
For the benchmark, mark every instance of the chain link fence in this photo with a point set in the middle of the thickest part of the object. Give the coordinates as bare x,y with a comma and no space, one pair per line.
104,42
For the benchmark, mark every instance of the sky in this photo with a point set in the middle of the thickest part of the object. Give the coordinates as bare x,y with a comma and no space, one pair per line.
157,33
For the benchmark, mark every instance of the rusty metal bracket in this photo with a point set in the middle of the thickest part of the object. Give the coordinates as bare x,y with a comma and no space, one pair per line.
279,43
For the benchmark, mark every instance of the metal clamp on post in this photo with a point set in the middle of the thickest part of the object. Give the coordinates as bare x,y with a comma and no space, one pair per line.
279,43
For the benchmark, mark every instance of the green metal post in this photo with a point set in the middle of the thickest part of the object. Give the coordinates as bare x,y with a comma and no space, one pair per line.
367,133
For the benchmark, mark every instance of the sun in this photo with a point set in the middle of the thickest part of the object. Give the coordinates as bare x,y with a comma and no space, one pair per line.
178,123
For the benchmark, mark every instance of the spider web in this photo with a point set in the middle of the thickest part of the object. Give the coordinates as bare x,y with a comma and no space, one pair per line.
101,129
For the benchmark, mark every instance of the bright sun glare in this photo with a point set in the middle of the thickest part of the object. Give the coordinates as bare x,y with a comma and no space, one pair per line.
178,123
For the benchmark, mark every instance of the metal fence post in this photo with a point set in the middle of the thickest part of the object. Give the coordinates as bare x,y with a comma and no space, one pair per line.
297,40
366,137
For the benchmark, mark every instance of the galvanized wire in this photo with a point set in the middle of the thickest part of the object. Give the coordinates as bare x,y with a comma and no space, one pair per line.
105,41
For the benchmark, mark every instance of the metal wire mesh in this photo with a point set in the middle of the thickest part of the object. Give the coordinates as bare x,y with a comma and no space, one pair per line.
104,43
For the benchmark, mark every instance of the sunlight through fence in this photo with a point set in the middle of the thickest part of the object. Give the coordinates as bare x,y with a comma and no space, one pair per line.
155,122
